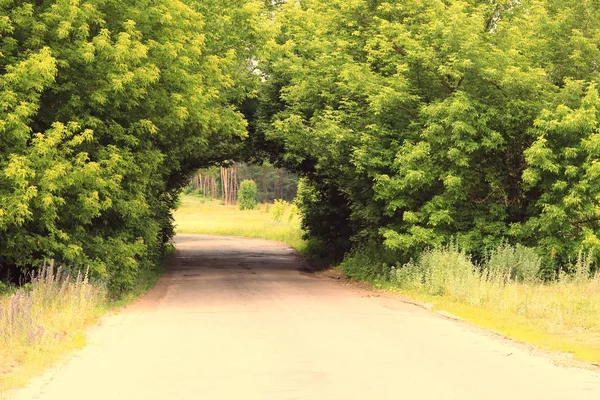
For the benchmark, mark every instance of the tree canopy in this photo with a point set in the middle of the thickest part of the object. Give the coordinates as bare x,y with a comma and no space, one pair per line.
421,122
413,123
106,107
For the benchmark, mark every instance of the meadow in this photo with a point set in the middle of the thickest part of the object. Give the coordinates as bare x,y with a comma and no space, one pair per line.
279,222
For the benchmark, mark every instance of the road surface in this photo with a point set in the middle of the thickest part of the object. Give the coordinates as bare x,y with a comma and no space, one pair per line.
238,319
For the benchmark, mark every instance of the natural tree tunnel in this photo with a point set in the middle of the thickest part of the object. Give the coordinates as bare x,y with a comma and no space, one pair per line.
413,124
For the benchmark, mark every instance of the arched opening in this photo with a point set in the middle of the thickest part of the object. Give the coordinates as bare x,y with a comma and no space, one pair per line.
409,136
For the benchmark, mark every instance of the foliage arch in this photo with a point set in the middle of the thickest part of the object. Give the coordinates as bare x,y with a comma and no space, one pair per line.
413,123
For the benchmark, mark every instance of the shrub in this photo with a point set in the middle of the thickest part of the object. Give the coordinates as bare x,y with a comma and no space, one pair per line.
446,270
3,288
279,208
369,262
247,195
293,212
519,263
189,189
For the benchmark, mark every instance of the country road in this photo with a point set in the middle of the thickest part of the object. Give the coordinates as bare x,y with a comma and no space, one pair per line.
239,319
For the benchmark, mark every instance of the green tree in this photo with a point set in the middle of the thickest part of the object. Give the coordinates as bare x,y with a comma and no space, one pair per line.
108,106
247,195
416,122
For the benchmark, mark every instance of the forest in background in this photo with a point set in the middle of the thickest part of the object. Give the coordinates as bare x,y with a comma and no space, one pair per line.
224,183
413,124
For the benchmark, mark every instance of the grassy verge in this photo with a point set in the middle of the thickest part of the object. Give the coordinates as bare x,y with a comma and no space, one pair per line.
46,319
197,215
540,322
42,321
563,315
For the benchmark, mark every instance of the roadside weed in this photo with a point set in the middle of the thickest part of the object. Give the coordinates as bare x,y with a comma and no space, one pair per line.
44,319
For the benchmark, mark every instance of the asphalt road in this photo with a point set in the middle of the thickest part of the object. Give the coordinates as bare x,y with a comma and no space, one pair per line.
238,319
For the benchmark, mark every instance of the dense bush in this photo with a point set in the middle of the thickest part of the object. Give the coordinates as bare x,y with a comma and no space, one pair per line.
247,195
369,262
415,123
107,106
518,263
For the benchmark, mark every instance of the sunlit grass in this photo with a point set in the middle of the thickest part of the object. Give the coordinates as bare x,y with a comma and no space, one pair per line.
42,321
197,215
562,315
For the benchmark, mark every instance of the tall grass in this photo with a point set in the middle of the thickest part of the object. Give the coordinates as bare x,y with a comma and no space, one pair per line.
505,294
43,319
278,222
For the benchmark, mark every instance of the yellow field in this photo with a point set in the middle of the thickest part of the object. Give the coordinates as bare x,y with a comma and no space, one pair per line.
196,215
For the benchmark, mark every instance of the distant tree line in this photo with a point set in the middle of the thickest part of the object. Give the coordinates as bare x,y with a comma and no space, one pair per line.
224,182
